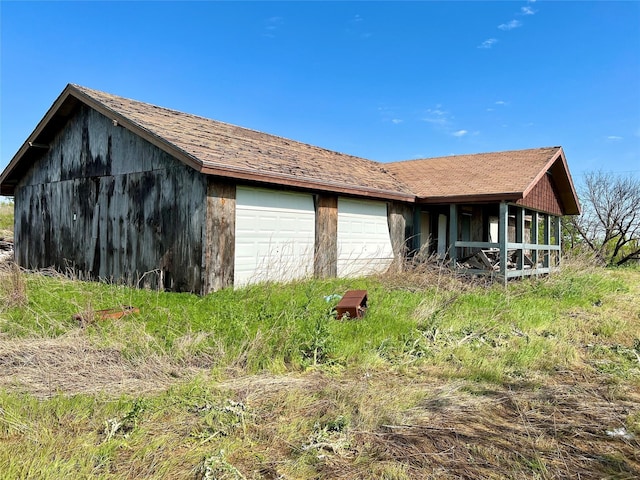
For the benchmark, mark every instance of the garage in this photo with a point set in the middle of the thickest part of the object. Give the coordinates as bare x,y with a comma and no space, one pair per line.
364,244
275,232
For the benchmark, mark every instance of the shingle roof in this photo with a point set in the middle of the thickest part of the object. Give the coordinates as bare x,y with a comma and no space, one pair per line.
220,148
506,175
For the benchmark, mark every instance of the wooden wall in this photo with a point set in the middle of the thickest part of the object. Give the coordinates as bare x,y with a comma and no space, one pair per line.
544,197
326,236
108,204
219,239
400,218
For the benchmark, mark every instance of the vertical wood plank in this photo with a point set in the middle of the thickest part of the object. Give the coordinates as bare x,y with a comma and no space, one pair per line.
103,202
219,235
400,217
326,237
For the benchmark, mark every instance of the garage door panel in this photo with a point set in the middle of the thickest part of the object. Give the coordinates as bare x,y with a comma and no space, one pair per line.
275,234
364,243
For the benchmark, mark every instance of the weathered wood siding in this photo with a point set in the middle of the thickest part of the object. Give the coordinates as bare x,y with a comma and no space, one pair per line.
326,241
108,204
544,197
219,251
400,218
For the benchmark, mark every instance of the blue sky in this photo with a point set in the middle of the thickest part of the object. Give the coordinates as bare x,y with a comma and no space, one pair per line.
381,80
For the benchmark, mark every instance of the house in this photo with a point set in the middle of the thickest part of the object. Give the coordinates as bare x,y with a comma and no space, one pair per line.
122,190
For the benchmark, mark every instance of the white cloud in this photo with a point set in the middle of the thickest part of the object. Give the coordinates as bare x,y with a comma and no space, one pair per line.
490,42
501,102
396,120
437,116
459,133
614,138
510,25
527,11
271,25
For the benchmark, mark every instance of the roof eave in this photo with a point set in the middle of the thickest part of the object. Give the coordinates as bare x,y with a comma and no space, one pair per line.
474,198
307,183
142,132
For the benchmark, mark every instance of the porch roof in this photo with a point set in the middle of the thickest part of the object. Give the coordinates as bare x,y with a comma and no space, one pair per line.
488,177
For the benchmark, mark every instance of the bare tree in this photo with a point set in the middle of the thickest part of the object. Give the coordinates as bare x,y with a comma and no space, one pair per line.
610,222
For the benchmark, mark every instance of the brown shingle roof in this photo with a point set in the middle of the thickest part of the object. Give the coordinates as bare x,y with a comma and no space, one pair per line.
506,175
228,150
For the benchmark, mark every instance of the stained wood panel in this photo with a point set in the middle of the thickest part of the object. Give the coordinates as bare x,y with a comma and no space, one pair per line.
107,204
326,242
219,240
400,230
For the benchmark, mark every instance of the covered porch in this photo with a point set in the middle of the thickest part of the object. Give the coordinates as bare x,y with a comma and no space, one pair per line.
503,240
495,214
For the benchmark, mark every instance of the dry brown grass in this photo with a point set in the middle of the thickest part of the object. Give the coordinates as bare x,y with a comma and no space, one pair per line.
558,431
435,429
71,365
13,289
6,221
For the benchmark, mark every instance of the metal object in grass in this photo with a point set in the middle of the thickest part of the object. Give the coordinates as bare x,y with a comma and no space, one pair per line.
354,304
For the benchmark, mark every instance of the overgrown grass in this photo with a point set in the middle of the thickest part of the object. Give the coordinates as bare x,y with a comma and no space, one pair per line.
6,219
440,376
488,332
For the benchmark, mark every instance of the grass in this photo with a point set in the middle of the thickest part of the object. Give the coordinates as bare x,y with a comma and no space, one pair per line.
6,220
443,378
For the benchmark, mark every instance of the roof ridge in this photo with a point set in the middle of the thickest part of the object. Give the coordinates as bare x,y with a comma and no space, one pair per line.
477,154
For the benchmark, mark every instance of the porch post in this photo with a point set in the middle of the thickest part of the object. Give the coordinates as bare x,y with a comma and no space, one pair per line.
547,239
520,237
534,237
416,240
558,232
503,235
453,233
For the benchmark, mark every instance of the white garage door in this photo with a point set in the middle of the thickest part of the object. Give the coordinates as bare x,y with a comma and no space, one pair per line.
275,234
364,244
